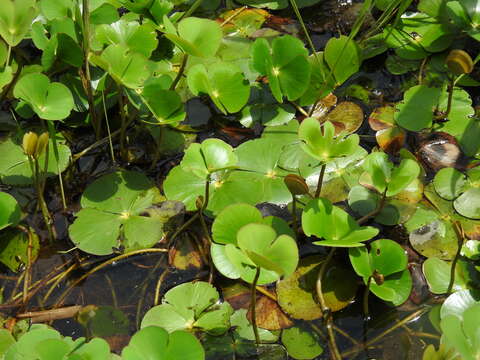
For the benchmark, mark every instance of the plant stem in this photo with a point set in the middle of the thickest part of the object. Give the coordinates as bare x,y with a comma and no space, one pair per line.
183,227
294,214
365,300
298,108
294,5
460,238
85,75
450,96
51,130
253,304
375,212
9,53
192,9
326,313
177,79
110,143
123,118
41,200
320,181
26,280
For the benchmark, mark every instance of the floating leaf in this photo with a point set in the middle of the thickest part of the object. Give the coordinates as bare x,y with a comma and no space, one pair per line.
297,292
415,112
387,259
128,68
285,64
155,342
343,57
223,82
112,206
438,272
196,36
140,38
347,117
301,344
49,100
190,306
14,248
10,212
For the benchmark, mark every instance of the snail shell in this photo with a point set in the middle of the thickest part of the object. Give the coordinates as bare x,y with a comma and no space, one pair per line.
459,62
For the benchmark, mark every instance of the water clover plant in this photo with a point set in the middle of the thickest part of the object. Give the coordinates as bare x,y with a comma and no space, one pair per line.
285,64
191,307
207,170
387,192
195,36
155,342
49,100
463,189
334,225
383,269
320,142
245,241
42,342
458,316
111,215
223,82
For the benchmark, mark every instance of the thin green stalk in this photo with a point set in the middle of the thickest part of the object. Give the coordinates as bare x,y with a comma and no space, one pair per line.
320,181
304,28
177,79
183,227
294,213
51,130
451,86
253,304
192,9
326,313
41,200
460,239
123,127
26,281
9,53
110,143
375,212
87,79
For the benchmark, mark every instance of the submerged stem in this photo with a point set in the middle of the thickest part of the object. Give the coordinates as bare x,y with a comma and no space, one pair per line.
365,299
326,313
375,212
253,304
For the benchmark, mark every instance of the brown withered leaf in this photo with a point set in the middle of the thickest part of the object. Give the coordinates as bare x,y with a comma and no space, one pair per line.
269,315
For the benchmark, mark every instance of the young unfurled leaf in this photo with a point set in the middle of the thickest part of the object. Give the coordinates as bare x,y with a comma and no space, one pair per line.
15,19
334,225
323,145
